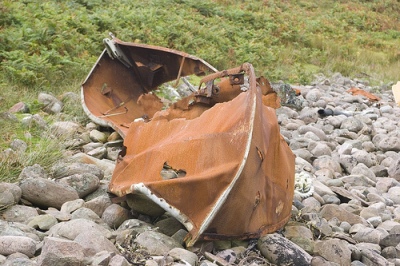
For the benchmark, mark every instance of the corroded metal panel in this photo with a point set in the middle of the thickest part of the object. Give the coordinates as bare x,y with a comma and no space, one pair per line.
215,160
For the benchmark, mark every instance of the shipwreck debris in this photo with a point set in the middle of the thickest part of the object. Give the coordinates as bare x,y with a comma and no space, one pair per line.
368,95
215,160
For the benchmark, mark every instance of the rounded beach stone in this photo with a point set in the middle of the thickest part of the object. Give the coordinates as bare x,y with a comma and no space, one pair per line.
282,251
47,193
14,244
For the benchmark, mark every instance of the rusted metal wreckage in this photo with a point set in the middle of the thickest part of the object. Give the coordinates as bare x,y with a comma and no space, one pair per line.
215,160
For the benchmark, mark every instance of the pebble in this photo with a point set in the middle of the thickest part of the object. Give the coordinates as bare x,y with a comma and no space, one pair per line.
281,251
64,215
46,193
13,244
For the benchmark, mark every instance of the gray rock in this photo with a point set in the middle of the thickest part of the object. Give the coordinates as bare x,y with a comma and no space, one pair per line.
51,104
396,213
288,112
156,243
389,253
7,116
368,235
375,221
102,258
60,252
385,183
352,124
102,190
19,107
114,137
373,210
70,169
358,180
99,153
13,244
93,242
328,162
118,260
394,194
169,226
321,226
364,157
91,146
84,183
390,226
65,129
105,165
34,121
348,162
320,149
88,214
112,153
394,170
46,193
143,205
345,226
388,143
335,121
19,229
318,132
114,215
18,145
313,95
373,197
34,171
303,153
69,96
43,222
301,236
98,136
98,204
309,115
136,224
71,206
322,189
368,146
73,228
334,250
180,235
362,169
319,261
379,170
390,240
19,213
18,261
346,147
328,199
227,255
180,254
330,211
371,258
281,251
9,194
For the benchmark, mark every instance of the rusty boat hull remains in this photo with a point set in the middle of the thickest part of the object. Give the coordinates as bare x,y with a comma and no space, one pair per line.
214,160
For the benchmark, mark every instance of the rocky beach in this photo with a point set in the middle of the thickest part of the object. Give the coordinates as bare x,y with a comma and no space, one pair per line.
346,208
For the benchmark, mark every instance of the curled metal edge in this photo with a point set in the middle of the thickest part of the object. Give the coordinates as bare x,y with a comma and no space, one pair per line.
141,188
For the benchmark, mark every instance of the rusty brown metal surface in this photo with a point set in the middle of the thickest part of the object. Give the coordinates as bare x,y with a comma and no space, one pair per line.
215,160
368,95
111,91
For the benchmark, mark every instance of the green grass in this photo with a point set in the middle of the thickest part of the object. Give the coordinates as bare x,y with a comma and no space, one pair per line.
42,149
54,47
